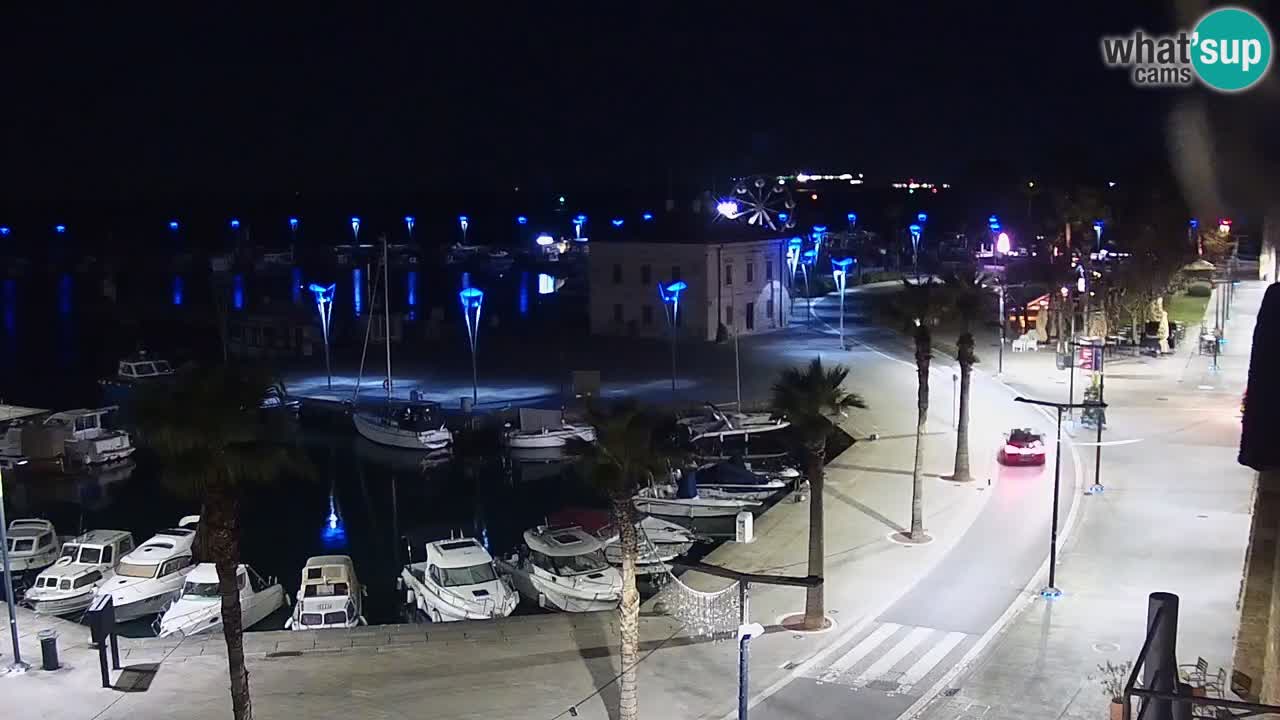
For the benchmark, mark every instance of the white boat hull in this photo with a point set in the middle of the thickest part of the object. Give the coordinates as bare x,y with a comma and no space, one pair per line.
521,440
692,507
63,604
153,605
577,594
184,618
383,434
740,492
441,608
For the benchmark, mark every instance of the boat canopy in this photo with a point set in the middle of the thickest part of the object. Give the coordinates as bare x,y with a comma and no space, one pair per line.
561,542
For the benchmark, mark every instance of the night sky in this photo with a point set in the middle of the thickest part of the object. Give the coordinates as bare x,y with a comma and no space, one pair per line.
314,99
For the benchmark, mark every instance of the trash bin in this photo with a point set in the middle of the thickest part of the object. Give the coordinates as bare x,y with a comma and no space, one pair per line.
466,404
48,649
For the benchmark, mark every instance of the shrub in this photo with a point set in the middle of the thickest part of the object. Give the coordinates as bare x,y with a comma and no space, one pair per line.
1199,290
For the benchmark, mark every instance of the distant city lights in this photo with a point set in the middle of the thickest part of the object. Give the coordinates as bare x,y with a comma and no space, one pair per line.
913,185
809,177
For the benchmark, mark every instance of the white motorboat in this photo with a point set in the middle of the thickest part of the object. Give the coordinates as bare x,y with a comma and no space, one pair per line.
410,427
141,367
33,545
563,569
199,608
330,595
716,424
684,501
85,438
88,561
277,398
548,437
661,541
150,577
457,581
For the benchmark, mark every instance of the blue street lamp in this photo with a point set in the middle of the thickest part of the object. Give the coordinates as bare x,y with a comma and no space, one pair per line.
840,273
915,249
578,222
647,216
807,260
670,295
408,223
472,299
464,222
235,223
922,218
522,220
852,218
1097,231
173,225
293,225
60,229
324,303
355,229
545,240
5,230
617,222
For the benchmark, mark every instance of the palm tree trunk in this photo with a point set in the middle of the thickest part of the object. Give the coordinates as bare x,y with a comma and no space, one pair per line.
923,346
814,601
628,609
965,358
224,540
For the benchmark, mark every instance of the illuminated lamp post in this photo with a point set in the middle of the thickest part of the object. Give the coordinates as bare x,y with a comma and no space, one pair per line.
670,296
857,250
355,229
324,303
839,272
793,262
464,222
807,260
1003,246
472,298
408,224
915,231
578,223
293,235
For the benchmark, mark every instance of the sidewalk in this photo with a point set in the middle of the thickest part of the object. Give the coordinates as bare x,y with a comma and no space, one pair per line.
1174,517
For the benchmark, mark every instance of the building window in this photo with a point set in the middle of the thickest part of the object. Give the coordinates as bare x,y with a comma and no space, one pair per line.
617,312
768,309
728,274
646,275
675,273
751,315
768,271
751,273
646,314
728,315
617,274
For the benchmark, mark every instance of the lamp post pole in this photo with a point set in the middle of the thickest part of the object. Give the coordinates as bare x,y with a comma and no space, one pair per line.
18,665
670,295
1052,591
1002,248
324,303
840,272
472,299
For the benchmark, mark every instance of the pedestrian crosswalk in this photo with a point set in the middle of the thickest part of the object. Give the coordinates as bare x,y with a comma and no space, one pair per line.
894,658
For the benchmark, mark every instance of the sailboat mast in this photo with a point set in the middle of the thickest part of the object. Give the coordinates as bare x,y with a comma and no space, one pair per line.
386,307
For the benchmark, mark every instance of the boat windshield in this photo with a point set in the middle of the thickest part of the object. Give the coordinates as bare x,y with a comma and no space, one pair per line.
90,555
22,544
473,575
206,591
137,570
69,551
580,564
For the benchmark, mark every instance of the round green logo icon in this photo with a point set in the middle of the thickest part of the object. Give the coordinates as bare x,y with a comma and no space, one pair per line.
1231,49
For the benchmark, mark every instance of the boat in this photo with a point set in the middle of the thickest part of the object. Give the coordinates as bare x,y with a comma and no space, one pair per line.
86,440
549,437
457,581
330,595
413,425
16,420
410,426
277,398
141,367
683,500
150,577
660,541
563,568
33,545
716,424
198,608
735,480
85,563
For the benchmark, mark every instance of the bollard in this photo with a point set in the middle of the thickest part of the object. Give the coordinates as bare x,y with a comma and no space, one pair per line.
48,649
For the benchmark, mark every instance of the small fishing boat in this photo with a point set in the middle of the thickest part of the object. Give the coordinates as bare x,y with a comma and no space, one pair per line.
151,576
88,561
683,500
716,424
736,481
33,545
199,608
86,439
563,569
412,427
660,541
330,595
457,581
549,437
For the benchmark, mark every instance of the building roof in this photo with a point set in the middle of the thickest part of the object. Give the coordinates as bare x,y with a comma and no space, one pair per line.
17,412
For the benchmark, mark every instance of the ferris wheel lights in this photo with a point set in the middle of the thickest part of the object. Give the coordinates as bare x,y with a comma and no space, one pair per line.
727,208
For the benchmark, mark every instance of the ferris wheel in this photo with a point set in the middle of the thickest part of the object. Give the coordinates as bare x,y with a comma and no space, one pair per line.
761,201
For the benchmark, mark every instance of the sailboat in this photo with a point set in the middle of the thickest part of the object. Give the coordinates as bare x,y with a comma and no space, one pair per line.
411,425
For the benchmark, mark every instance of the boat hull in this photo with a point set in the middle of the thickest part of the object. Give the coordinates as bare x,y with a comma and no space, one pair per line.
693,508
153,605
68,605
439,609
375,431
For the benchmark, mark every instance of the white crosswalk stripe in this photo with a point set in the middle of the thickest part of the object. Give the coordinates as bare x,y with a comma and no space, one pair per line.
859,651
894,658
929,660
886,662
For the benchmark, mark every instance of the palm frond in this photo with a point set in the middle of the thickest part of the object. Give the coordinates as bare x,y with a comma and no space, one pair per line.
808,396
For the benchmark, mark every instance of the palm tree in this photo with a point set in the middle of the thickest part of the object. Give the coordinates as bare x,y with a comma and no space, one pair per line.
919,300
626,455
966,294
209,431
807,397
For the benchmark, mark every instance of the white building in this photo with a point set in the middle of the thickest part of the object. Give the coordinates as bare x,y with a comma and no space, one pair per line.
736,283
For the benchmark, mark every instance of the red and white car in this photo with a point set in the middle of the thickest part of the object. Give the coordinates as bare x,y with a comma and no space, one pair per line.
1022,446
